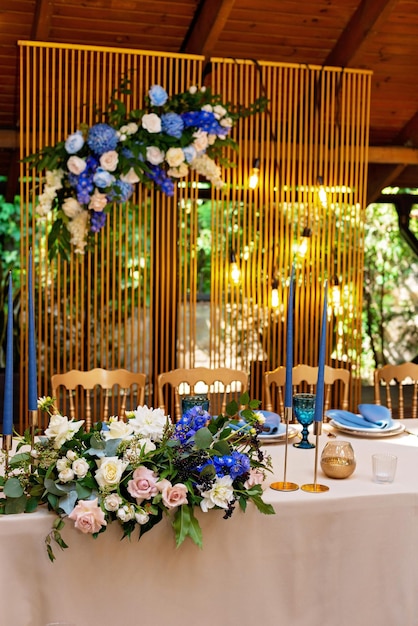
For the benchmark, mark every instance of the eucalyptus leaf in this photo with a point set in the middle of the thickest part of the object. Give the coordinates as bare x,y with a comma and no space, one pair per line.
15,505
203,438
83,492
53,488
112,447
19,458
67,503
222,446
13,488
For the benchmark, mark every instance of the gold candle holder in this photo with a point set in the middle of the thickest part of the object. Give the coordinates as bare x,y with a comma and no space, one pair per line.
33,421
284,485
315,487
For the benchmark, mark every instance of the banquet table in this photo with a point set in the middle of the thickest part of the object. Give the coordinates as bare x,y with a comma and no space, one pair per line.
346,556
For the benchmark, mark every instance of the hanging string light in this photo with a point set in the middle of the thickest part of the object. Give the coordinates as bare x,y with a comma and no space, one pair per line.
255,175
322,194
304,244
234,270
274,297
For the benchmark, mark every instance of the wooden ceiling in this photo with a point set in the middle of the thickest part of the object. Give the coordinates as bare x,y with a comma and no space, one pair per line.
378,35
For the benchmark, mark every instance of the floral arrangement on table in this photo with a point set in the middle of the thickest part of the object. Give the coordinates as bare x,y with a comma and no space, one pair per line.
136,472
99,165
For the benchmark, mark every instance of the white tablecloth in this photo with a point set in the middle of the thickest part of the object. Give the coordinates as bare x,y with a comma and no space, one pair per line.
347,556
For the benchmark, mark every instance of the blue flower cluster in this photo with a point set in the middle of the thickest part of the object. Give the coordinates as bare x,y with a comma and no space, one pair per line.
102,138
161,178
234,465
190,422
204,120
83,183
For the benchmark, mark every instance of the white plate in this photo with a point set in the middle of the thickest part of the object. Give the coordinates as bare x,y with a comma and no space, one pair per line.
396,429
280,437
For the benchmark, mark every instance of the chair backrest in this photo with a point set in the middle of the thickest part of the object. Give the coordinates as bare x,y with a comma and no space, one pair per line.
307,376
400,381
98,391
221,384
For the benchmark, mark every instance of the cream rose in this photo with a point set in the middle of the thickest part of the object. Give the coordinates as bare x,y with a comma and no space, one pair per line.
130,177
109,472
151,122
109,160
62,464
174,157
71,207
201,140
112,502
155,155
88,516
76,165
66,475
80,467
98,201
142,518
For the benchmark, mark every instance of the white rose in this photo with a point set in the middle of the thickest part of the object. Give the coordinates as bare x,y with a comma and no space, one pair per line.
203,89
112,502
71,207
226,122
155,155
207,107
66,475
211,139
110,472
192,89
62,464
80,467
71,455
142,518
54,178
130,177
109,160
126,513
76,165
151,122
174,157
118,430
131,128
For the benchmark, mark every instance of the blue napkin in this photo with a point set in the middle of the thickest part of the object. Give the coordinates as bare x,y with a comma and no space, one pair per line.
271,425
371,416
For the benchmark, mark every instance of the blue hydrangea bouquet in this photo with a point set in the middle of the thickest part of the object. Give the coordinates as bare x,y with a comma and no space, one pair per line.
139,471
99,165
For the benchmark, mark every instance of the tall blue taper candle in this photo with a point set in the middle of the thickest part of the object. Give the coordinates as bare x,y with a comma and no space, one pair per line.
319,402
288,392
32,373
8,379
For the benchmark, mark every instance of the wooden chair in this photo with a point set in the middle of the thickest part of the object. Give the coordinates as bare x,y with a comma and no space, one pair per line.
304,378
397,379
221,384
98,389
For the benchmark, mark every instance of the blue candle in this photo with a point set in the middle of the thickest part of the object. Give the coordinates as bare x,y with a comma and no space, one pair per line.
288,392
319,402
32,374
8,379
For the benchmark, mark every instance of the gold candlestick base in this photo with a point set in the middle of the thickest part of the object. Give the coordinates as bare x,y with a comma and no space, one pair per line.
284,486
314,488
33,421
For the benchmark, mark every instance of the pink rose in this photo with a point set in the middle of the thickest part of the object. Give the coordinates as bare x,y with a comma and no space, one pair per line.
256,477
76,165
173,496
88,516
143,485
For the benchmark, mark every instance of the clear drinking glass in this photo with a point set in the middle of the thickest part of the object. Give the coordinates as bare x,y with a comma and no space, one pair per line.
304,409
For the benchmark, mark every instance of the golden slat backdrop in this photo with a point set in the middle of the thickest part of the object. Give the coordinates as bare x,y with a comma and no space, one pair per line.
315,128
132,302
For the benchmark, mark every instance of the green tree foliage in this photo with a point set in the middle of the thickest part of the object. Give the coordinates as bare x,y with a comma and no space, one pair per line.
390,299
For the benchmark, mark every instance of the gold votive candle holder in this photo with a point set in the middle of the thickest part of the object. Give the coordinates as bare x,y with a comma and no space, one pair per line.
338,459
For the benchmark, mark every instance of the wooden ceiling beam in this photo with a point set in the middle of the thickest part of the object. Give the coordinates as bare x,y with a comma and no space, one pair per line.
42,20
364,20
206,27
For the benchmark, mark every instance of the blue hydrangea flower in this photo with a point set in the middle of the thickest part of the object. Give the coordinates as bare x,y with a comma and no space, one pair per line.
190,422
172,124
189,153
97,220
160,178
102,138
157,95
121,191
74,142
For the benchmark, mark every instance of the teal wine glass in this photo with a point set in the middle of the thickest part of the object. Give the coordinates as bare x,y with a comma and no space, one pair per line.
188,402
304,409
